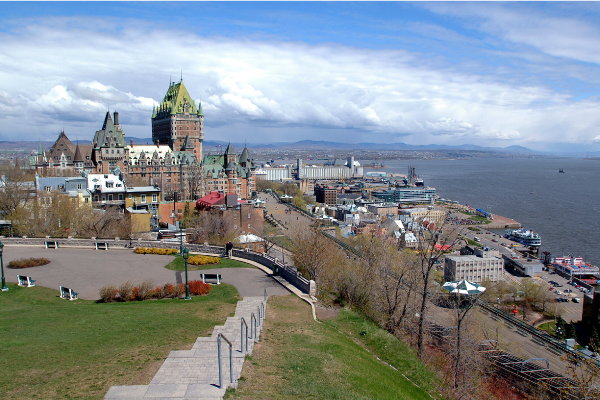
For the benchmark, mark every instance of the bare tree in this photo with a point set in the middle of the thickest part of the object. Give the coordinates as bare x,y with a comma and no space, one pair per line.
212,226
431,246
312,252
193,179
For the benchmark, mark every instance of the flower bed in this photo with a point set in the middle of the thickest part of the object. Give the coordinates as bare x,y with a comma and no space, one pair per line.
154,250
27,263
146,290
203,260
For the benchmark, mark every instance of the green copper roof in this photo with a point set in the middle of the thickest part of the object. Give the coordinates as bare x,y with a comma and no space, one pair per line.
109,133
176,100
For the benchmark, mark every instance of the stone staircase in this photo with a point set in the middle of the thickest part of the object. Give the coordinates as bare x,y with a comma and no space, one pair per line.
194,374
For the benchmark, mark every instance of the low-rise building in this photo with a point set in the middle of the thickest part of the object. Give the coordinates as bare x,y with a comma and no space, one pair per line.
142,202
326,194
484,264
106,189
415,195
425,214
383,209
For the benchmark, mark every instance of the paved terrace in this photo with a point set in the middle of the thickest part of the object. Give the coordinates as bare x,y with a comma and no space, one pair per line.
86,270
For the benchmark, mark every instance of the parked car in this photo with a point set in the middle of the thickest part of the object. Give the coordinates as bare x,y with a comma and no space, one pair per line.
576,300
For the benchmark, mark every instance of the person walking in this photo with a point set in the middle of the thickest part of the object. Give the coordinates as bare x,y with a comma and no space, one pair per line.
229,248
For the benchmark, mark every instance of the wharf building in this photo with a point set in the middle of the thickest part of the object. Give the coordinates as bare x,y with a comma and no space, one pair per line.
408,195
174,162
301,171
483,263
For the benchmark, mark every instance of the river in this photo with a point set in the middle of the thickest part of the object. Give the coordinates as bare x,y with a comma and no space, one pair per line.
564,208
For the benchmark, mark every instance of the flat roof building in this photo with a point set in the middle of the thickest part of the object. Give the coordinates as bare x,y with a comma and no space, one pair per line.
484,264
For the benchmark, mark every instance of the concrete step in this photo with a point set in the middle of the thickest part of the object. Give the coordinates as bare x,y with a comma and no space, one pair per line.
167,391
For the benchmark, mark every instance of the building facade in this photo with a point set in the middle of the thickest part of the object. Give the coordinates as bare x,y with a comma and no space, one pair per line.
174,162
483,264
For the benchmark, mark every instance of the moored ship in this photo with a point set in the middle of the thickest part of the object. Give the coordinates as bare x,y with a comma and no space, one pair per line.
524,236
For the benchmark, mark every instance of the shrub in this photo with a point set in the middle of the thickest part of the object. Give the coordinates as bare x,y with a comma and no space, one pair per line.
198,288
157,293
203,260
135,293
27,263
125,291
145,290
168,290
179,290
108,293
155,250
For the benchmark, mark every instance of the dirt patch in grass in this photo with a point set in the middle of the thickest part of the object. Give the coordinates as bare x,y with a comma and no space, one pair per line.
324,313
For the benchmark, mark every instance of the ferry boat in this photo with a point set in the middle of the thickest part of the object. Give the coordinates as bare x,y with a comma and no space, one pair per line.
524,236
576,267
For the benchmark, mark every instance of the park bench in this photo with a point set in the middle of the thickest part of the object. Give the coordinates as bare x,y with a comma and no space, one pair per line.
67,293
101,246
25,281
50,244
216,277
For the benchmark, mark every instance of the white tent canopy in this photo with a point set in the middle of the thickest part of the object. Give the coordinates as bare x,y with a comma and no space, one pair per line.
464,287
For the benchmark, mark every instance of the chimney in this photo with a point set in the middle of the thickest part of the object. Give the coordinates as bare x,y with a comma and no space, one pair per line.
131,142
116,118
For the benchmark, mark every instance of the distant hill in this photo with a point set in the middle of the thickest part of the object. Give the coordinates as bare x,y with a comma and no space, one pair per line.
210,145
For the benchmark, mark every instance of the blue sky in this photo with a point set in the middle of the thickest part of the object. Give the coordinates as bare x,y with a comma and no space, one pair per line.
493,74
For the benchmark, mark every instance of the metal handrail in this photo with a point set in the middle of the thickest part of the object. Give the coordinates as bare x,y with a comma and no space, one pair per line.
255,335
259,316
243,322
219,336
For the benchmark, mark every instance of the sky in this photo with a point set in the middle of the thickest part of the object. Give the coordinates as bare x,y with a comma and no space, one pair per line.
491,73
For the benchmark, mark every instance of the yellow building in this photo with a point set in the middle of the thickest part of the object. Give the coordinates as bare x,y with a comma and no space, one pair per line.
141,204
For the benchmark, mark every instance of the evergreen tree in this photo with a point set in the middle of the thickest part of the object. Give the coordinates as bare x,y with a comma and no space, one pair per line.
571,334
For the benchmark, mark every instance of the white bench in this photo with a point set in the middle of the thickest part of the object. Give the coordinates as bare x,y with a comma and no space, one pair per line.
216,277
69,294
101,246
51,244
25,281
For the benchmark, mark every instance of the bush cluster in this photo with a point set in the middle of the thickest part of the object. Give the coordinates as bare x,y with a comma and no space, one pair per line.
146,290
27,263
203,260
154,250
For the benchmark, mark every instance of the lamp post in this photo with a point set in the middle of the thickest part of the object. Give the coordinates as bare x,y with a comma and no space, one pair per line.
558,332
186,254
180,239
4,288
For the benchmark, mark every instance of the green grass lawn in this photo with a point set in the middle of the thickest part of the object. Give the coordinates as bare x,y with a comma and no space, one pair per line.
299,358
179,265
53,348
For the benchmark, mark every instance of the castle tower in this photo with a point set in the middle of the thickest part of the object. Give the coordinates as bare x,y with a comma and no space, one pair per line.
109,149
176,118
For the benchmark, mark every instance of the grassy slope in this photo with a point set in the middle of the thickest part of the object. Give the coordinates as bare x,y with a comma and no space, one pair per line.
299,358
53,348
179,265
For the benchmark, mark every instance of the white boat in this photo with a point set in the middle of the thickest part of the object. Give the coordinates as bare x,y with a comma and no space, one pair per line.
525,237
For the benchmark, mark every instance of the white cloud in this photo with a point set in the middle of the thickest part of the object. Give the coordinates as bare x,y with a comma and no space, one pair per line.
325,91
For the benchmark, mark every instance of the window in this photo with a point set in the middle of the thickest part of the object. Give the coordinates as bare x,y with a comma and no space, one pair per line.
103,197
130,195
79,186
120,196
96,198
110,197
143,198
154,198
87,200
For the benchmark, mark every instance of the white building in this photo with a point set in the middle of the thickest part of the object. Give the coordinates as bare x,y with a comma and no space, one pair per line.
106,189
484,264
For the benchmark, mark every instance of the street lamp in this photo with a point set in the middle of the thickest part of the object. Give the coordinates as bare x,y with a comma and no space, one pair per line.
180,239
558,332
4,288
186,255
